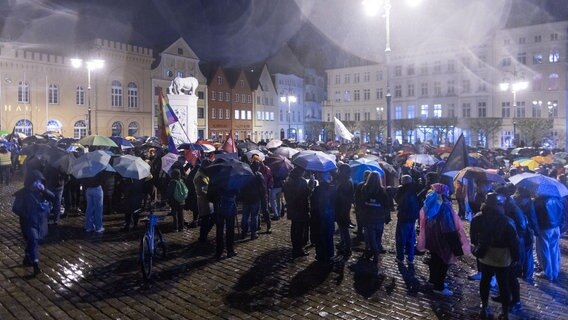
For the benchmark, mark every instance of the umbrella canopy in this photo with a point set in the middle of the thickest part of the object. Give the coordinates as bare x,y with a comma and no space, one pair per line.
132,167
229,175
286,152
65,164
90,164
259,153
273,144
279,165
359,166
191,146
543,159
561,155
96,140
122,142
387,167
314,161
248,145
426,159
539,185
168,161
207,147
480,175
529,163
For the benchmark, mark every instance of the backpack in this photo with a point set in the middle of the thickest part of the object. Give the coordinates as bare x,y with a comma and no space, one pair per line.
180,192
19,205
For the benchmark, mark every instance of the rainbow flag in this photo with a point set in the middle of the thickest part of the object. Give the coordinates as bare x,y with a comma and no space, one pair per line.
167,117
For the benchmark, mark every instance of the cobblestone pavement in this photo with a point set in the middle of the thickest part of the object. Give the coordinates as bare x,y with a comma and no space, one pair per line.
90,276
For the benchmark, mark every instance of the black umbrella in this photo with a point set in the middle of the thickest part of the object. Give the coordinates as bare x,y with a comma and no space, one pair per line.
248,145
229,175
279,165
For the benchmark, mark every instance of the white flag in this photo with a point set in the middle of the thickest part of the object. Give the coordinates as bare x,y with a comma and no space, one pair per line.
341,131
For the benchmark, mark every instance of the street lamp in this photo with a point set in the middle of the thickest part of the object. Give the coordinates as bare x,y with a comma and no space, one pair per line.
290,99
551,107
514,133
372,8
537,105
515,86
91,65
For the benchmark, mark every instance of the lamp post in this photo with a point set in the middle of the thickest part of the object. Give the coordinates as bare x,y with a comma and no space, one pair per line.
372,8
518,84
290,99
514,133
91,65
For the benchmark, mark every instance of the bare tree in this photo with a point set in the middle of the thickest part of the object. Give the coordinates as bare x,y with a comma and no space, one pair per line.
485,127
534,130
313,129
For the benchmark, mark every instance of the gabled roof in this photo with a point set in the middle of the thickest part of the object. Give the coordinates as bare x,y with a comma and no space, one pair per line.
232,75
253,74
209,70
172,48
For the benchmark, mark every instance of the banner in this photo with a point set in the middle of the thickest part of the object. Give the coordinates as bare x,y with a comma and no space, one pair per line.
341,131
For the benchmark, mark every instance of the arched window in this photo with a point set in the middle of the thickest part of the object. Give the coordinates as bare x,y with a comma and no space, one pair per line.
79,129
132,95
116,94
80,96
23,92
553,82
117,129
53,96
54,126
133,128
24,126
554,56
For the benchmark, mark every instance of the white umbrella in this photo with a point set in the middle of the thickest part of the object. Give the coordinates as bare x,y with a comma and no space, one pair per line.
132,167
259,153
168,161
273,144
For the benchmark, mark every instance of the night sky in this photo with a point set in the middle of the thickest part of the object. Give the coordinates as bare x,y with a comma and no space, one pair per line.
239,32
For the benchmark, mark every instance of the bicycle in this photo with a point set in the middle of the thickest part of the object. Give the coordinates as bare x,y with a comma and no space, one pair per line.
152,244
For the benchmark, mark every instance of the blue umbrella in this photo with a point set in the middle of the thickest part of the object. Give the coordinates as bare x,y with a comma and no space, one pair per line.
122,143
359,166
539,185
314,161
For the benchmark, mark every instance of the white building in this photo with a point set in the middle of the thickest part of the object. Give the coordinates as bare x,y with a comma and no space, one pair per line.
291,111
266,124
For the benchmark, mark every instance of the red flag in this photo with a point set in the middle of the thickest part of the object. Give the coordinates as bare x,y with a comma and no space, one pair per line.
230,145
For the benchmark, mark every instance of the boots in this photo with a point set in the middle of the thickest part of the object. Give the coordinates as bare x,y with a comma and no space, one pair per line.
37,269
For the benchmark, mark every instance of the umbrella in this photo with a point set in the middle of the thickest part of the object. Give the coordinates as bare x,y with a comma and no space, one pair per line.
66,141
372,157
132,167
229,175
387,167
168,161
359,166
443,149
543,159
122,142
273,144
248,145
561,155
90,164
259,153
4,133
279,165
191,146
477,174
529,163
96,140
131,138
65,164
150,144
207,147
426,159
34,139
314,161
286,152
539,185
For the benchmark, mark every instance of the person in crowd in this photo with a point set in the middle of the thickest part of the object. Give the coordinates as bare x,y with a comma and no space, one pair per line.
408,211
5,165
71,195
191,201
322,218
109,183
475,205
521,226
524,201
225,208
442,234
176,204
94,201
133,191
268,183
359,202
206,216
55,183
547,222
376,207
495,242
344,201
253,199
32,207
276,198
297,196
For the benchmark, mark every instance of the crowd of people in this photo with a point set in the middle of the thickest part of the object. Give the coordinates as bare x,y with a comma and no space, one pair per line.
506,222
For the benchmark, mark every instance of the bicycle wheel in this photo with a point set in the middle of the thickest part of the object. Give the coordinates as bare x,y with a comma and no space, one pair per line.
145,257
159,244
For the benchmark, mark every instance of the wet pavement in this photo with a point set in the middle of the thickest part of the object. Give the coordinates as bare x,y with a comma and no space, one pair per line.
92,276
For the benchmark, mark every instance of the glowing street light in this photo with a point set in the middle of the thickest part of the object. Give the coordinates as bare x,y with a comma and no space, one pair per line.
290,99
91,65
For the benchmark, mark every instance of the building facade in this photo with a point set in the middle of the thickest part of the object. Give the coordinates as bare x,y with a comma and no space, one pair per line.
265,122
291,112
